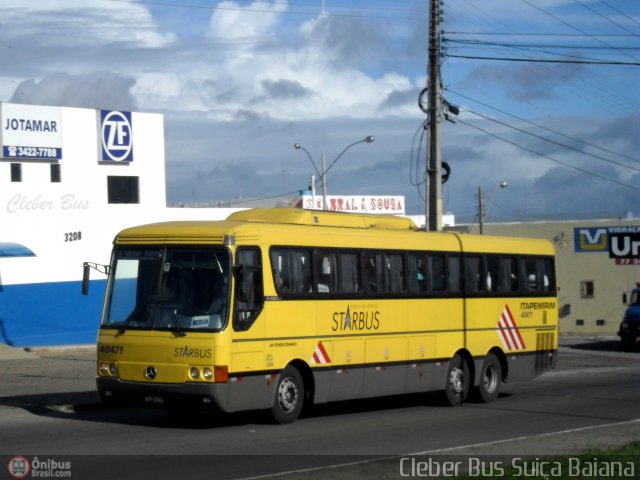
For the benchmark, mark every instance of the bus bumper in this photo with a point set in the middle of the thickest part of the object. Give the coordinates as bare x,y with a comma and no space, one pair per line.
226,397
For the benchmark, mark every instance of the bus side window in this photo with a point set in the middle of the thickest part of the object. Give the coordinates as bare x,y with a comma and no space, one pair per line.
372,272
350,273
474,278
292,271
327,272
530,275
437,273
248,298
454,274
548,277
509,274
395,273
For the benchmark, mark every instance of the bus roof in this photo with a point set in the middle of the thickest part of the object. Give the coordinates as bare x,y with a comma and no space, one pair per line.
307,227
298,216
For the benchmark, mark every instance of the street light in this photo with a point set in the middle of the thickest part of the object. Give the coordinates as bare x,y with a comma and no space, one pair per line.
481,213
323,175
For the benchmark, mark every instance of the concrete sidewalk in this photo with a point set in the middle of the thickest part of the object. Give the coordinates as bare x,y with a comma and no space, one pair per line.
47,376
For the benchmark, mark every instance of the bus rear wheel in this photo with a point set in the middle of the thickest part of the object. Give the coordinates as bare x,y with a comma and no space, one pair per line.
457,381
289,396
490,379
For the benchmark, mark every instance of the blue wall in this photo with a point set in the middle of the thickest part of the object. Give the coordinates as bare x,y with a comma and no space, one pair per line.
50,313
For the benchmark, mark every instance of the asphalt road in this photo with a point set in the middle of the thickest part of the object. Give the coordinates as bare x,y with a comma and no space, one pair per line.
49,409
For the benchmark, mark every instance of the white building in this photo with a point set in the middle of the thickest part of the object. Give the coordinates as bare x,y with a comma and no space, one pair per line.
70,179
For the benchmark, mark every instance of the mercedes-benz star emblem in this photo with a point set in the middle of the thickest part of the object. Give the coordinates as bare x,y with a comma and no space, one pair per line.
150,373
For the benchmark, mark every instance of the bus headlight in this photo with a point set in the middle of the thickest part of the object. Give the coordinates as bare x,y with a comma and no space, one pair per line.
108,369
207,373
194,373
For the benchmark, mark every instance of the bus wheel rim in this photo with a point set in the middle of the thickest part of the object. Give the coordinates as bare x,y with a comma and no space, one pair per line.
490,378
288,395
456,380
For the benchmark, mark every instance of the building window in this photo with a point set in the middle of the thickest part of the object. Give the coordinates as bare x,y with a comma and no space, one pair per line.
580,323
123,189
600,323
16,172
587,289
56,176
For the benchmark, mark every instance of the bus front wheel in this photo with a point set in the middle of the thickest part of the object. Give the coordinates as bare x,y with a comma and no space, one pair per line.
490,379
289,396
457,381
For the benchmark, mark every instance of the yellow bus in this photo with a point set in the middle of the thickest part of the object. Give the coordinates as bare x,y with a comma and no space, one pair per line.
276,308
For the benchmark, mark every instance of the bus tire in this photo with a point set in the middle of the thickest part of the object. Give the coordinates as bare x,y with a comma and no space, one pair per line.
457,381
490,379
289,396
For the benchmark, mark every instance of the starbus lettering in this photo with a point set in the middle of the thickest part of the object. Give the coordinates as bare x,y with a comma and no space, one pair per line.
357,320
192,352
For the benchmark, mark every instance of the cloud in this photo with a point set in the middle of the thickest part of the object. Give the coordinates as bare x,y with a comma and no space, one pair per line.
96,89
80,22
230,21
285,89
255,78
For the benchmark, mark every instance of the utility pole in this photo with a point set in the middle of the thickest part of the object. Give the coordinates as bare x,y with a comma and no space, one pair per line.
433,174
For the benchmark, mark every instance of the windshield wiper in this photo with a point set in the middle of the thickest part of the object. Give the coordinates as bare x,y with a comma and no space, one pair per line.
136,312
172,316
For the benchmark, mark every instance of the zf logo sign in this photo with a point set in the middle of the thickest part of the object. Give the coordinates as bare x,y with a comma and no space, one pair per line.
117,136
591,239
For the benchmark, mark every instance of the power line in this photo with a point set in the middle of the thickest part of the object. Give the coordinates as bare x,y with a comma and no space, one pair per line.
570,25
540,34
533,45
553,141
559,162
546,60
542,126
603,16
620,12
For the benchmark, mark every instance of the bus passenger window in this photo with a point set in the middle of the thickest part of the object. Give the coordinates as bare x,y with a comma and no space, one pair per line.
372,273
509,274
416,273
327,276
291,270
530,275
350,273
395,273
548,278
438,273
454,277
475,275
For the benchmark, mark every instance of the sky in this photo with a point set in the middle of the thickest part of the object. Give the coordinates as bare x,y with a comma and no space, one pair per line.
240,82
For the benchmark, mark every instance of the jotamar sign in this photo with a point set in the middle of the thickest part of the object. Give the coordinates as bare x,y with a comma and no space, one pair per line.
116,133
30,132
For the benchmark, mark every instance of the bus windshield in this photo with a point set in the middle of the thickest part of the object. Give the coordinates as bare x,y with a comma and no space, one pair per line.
173,288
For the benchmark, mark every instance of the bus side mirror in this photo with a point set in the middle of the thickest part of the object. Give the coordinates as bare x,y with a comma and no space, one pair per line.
624,298
85,278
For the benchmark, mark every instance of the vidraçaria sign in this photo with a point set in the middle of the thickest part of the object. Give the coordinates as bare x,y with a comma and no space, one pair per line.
384,204
622,243
30,132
